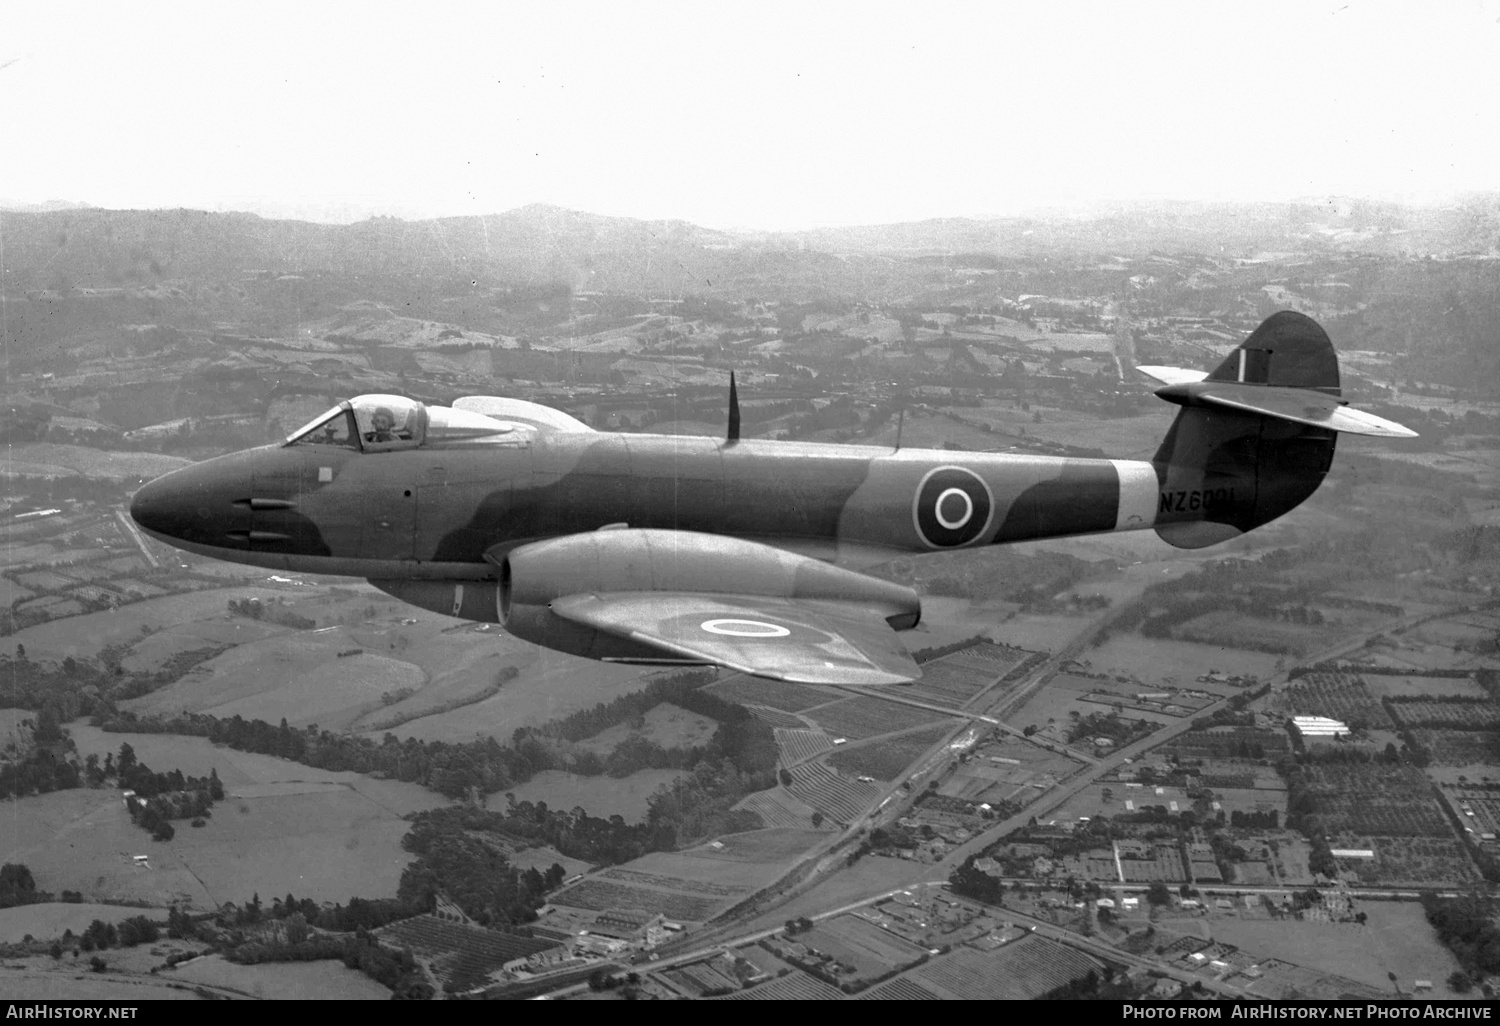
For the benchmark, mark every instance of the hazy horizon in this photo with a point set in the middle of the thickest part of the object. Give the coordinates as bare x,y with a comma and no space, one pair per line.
755,118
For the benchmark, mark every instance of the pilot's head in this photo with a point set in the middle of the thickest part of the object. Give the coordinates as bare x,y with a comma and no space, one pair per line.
382,419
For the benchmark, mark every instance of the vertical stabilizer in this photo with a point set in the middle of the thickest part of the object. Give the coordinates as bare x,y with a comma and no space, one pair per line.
1222,471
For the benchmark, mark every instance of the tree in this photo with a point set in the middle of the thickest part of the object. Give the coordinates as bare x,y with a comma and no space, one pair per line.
1158,894
1459,982
817,818
785,776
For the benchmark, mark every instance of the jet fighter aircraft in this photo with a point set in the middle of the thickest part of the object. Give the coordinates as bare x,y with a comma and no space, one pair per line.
741,553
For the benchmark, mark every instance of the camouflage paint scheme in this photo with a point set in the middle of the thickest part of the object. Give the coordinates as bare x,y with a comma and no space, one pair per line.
432,522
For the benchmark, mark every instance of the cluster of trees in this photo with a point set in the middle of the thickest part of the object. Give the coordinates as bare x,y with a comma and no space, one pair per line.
396,970
272,613
454,859
1466,925
973,883
17,887
1302,815
159,797
38,772
1255,820
488,766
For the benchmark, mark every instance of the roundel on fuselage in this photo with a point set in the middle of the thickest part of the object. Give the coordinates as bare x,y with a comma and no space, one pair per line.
952,507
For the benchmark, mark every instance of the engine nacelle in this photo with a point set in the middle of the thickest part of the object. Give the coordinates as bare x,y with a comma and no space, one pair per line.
637,560
642,560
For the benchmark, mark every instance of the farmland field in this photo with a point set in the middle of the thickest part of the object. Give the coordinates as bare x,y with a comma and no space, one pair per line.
1020,971
602,796
1456,715
1153,659
82,637
862,717
328,979
597,895
1424,687
1236,630
765,846
551,685
1342,696
838,797
295,676
672,883
800,745
902,988
1460,747
1376,799
458,953
880,947
777,718
889,757
1396,938
774,694
45,984
98,462
777,807
1407,862
797,986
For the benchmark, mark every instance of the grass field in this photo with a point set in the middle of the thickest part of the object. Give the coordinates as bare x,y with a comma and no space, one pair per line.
666,725
1156,659
78,984
1395,939
295,676
550,686
1427,687
600,796
82,637
1232,629
97,462
889,757
1023,970
773,694
283,827
155,650
862,717
598,894
297,981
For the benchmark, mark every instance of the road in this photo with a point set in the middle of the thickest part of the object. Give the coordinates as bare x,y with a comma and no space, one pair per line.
1055,799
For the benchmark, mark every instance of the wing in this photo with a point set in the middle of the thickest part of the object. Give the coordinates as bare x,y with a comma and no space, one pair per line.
779,638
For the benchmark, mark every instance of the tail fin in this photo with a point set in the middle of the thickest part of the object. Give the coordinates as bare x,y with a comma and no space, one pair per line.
1256,436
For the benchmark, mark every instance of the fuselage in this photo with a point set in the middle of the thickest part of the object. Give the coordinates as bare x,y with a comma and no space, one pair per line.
435,512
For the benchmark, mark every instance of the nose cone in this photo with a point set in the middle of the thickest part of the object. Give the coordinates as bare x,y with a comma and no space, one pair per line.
202,504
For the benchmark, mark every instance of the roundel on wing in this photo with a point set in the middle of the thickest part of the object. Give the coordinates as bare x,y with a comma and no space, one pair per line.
952,507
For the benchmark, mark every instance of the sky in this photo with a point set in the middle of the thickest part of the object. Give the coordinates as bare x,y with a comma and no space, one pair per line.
765,115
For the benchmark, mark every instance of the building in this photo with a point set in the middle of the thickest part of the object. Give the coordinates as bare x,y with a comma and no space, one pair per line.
1319,726
626,924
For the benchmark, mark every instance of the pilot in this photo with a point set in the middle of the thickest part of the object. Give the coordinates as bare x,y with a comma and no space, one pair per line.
384,423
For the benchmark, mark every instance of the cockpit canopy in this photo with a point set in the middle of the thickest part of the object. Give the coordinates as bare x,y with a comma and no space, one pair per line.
382,423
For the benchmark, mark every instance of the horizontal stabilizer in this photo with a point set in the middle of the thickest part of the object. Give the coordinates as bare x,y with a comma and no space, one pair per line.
1298,405
1173,375
778,638
535,414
